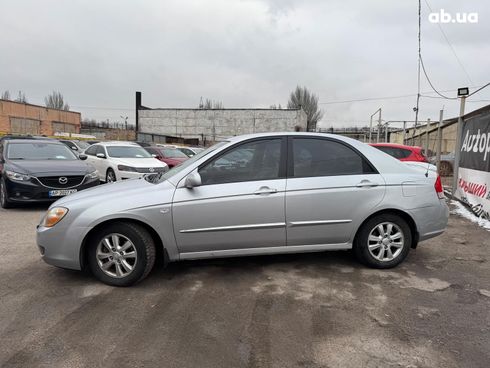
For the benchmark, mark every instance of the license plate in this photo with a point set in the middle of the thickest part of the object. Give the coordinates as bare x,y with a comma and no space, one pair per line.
61,193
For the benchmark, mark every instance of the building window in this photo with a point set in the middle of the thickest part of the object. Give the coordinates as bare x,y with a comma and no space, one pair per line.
64,128
24,126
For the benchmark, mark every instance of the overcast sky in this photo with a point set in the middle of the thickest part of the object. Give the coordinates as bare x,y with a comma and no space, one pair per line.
246,53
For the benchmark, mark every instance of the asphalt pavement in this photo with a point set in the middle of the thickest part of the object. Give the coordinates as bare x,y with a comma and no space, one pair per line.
309,310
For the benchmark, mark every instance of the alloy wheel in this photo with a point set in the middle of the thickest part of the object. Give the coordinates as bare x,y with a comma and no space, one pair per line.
385,241
116,255
111,177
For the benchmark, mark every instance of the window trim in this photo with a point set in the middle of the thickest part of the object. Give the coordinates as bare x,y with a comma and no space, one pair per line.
290,166
282,158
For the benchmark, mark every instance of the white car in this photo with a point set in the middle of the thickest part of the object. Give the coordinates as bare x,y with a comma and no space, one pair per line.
122,160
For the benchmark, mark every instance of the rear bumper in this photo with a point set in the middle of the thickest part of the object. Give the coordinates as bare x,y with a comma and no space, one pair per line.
431,221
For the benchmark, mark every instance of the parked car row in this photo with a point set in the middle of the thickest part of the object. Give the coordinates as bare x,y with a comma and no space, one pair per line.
42,169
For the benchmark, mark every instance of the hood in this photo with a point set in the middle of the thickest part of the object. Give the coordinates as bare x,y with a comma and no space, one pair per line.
139,162
50,167
174,160
119,195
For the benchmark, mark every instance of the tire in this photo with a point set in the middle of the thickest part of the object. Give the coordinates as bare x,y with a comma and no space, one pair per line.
373,248
138,254
110,177
4,202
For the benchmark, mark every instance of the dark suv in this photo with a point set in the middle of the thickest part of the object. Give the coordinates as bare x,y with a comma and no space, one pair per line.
40,170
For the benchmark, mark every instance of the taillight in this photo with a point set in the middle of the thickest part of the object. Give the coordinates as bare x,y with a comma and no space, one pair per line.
438,187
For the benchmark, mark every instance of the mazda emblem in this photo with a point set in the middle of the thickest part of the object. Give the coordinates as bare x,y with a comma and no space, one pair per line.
63,180
152,169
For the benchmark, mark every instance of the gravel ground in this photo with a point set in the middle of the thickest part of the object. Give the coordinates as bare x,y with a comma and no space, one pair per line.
310,310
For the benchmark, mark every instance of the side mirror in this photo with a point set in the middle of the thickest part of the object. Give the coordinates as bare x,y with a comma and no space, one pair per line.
193,180
82,157
100,155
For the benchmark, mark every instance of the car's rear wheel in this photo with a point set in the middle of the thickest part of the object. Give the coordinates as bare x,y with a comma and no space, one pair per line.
121,254
110,176
4,200
383,241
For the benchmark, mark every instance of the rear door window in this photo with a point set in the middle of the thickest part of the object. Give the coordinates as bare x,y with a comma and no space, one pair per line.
321,157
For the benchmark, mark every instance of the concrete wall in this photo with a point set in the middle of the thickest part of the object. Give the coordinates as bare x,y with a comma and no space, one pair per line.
215,125
111,134
36,115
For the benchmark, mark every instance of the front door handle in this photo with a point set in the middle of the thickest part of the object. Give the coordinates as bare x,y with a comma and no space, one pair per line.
366,183
265,190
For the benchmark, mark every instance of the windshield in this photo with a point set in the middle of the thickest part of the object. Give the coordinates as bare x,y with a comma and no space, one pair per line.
39,151
173,153
127,152
82,145
160,177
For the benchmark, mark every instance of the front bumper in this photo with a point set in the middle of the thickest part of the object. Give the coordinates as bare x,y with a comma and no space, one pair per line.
35,192
60,246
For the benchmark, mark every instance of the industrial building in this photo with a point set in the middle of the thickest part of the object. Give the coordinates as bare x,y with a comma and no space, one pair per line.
204,126
25,118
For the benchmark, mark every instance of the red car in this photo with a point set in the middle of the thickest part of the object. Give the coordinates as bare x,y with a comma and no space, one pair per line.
170,155
402,152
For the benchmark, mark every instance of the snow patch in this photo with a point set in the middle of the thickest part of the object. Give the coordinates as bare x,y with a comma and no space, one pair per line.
464,212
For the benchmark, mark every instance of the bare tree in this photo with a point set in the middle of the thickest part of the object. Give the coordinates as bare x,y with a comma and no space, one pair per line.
301,97
275,107
55,101
21,97
209,104
5,95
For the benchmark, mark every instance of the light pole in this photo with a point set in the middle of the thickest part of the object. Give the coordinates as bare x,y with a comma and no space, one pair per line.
462,94
371,123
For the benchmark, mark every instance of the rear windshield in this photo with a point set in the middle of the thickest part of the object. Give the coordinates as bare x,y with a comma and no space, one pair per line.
83,145
173,153
39,151
127,152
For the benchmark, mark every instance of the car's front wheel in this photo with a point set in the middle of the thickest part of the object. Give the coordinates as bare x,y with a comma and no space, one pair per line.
121,254
110,176
383,241
4,200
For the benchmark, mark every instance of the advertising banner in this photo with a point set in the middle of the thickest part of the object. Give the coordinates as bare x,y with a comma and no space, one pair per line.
474,165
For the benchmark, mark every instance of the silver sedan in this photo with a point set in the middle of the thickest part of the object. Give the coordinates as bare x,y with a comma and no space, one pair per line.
265,193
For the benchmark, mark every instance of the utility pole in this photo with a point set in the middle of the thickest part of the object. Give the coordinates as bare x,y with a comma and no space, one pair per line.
439,140
427,138
386,132
371,124
404,131
457,150
379,125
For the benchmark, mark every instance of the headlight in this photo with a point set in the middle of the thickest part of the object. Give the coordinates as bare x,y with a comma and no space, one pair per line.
17,176
126,168
93,175
54,216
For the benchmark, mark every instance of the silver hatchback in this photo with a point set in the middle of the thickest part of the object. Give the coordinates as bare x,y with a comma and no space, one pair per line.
257,194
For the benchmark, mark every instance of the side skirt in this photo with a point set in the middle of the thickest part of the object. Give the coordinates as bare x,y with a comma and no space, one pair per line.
264,251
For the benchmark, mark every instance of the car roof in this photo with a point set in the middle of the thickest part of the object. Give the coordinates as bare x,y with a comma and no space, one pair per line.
33,140
119,143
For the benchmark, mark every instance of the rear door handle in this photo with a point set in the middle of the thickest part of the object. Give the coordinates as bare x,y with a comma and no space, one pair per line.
265,190
366,183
